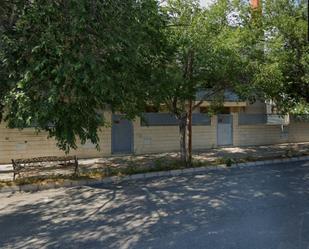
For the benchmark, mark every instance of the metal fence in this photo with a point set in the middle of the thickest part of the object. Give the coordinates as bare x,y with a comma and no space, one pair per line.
167,119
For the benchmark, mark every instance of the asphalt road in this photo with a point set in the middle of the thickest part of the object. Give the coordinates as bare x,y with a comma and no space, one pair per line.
259,207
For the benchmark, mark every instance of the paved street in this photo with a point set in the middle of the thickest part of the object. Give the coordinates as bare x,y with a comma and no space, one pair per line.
264,207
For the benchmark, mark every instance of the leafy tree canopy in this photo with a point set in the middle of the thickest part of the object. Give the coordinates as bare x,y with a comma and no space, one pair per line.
202,53
62,61
282,72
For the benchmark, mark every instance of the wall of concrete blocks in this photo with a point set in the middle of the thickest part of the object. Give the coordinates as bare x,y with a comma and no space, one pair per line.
166,138
261,134
244,135
151,139
26,143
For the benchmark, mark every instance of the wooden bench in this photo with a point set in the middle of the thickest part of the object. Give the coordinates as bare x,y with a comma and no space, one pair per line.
43,164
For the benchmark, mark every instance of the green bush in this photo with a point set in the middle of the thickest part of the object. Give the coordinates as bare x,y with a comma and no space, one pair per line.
229,161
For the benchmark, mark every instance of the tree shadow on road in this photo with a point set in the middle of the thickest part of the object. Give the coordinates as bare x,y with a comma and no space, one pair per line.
230,209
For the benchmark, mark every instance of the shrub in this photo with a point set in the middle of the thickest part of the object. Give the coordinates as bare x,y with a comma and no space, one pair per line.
229,161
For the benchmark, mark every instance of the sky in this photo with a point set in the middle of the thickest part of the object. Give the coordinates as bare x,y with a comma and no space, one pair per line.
205,3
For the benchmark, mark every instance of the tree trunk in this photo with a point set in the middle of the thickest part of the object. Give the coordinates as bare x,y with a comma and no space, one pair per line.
183,139
189,159
189,78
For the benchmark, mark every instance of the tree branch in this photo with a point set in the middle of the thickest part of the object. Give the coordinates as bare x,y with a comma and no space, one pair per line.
207,96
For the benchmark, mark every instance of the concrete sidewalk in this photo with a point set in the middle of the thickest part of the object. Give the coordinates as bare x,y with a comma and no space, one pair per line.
209,155
248,153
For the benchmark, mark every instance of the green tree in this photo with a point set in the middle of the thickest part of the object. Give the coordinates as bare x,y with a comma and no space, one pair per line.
9,10
282,73
203,54
63,61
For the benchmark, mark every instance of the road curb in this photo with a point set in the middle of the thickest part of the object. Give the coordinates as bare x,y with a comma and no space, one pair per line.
118,179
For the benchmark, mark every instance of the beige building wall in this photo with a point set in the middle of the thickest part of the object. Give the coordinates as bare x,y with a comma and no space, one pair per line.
258,135
26,143
154,139
298,131
204,137
151,139
166,138
269,134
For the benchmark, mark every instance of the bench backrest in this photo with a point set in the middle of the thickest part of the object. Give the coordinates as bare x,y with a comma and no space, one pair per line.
29,164
44,159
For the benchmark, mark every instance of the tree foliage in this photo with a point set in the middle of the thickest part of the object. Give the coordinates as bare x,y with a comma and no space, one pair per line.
282,74
208,37
203,54
62,61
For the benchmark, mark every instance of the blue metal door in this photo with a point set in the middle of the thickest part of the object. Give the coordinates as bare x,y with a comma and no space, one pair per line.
225,130
122,135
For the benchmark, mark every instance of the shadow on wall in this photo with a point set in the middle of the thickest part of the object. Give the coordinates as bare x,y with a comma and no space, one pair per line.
217,209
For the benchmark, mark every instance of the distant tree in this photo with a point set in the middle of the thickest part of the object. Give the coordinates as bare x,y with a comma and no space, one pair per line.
62,61
282,72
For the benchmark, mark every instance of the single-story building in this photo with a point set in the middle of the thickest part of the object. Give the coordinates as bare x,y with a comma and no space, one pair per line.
239,124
